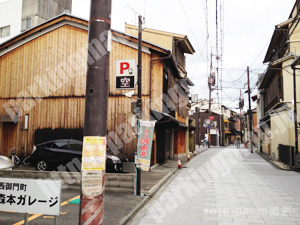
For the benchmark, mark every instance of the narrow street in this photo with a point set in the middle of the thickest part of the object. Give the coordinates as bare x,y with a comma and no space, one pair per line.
226,186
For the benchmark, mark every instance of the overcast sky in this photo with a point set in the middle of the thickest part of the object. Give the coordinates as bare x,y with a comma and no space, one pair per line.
245,30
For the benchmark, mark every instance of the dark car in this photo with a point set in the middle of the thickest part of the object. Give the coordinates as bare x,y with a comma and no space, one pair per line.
67,153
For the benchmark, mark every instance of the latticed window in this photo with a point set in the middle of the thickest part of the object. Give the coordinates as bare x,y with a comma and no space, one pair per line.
4,31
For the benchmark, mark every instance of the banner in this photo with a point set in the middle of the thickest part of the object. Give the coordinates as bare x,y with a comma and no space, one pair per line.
144,145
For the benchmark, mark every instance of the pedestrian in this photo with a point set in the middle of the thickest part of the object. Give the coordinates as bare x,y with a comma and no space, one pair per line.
205,142
238,142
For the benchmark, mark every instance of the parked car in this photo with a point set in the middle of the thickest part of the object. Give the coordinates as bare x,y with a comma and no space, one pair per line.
6,163
50,155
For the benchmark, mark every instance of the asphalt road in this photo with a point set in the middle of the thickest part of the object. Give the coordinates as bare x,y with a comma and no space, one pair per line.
116,207
69,213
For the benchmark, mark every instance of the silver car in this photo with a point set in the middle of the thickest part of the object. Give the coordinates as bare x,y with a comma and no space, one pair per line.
6,163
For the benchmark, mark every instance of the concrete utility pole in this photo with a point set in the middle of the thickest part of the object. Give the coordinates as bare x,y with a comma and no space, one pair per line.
250,113
241,105
97,84
139,100
209,100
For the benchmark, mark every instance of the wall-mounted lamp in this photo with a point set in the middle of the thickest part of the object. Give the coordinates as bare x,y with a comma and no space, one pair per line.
26,122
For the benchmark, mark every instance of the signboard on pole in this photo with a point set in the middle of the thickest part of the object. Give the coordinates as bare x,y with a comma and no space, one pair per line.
30,196
126,74
144,146
93,165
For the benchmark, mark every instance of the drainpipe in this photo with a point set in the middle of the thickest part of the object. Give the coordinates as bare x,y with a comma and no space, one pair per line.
294,64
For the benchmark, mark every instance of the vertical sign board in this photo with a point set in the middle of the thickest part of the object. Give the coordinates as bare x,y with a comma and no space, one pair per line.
144,146
126,74
30,196
93,165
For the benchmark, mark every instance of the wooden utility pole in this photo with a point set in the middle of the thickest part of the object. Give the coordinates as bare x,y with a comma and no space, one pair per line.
250,114
95,119
139,100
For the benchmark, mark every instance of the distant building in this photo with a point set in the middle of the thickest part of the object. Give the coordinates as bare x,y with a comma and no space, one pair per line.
17,16
226,125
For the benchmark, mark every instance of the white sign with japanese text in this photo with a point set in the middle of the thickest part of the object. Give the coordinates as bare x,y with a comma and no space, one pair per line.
30,196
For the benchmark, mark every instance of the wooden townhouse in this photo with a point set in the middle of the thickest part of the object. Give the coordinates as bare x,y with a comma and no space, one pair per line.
275,93
174,134
43,79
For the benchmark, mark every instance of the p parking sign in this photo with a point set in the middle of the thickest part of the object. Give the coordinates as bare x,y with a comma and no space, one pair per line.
126,74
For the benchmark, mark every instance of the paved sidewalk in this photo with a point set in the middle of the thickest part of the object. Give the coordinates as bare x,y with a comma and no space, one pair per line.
151,182
226,186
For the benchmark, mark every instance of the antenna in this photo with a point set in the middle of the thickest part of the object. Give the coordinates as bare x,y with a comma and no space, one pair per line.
135,14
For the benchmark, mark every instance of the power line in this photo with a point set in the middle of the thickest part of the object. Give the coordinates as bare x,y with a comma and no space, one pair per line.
191,28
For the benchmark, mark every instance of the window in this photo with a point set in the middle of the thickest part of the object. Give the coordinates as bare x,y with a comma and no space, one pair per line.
4,31
75,147
60,145
49,145
26,24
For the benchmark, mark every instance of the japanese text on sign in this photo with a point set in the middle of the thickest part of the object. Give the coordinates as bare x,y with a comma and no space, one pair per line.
145,144
30,196
126,74
94,153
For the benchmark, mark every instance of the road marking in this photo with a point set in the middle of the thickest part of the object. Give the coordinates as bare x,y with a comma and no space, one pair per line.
34,216
29,219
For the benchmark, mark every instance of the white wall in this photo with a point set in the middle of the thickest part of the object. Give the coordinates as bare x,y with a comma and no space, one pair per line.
10,14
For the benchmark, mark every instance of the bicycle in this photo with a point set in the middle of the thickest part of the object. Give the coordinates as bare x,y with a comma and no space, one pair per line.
26,161
14,158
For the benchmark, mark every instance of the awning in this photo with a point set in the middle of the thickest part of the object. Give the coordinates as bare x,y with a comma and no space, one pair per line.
235,131
182,125
9,115
163,118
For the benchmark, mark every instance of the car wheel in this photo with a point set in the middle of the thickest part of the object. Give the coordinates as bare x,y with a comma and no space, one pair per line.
42,165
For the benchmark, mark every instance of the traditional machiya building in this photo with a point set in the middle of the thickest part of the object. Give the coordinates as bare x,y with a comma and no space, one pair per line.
43,80
175,133
275,98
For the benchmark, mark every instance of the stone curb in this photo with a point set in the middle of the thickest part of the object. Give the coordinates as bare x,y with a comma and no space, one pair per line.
270,161
152,191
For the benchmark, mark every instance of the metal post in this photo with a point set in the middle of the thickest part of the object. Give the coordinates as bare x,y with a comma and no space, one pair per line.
221,127
55,220
97,84
250,114
295,114
26,219
139,100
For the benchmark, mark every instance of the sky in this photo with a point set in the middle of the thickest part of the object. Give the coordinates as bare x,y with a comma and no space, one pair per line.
245,29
